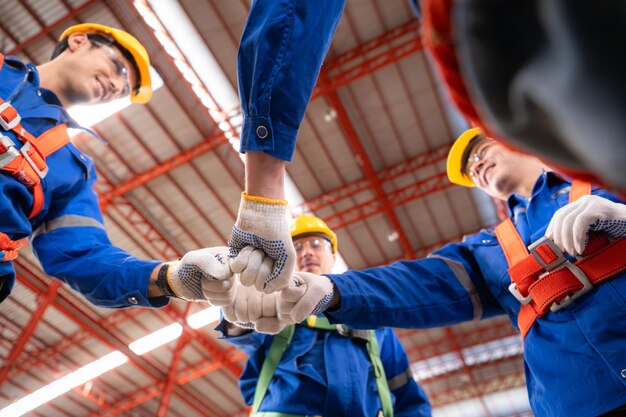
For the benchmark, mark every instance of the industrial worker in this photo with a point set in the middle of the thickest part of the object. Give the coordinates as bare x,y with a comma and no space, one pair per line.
571,313
553,94
535,107
315,368
46,183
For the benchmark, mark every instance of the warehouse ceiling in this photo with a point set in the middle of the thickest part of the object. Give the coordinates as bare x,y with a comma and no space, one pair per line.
370,160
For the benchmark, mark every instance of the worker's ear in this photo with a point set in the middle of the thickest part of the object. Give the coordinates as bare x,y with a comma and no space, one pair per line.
76,41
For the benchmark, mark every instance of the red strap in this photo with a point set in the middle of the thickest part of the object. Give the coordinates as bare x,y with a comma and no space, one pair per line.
511,242
579,189
30,168
9,248
601,261
553,287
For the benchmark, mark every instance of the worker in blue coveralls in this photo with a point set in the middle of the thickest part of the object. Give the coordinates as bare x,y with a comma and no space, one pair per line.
315,368
570,308
46,183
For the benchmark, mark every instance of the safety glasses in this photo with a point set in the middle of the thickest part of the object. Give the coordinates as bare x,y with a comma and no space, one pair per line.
476,157
316,244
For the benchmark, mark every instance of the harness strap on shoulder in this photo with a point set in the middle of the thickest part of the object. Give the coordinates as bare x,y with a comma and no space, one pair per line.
279,346
373,352
579,189
28,164
274,355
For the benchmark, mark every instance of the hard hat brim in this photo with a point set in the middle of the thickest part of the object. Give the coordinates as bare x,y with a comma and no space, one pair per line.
457,158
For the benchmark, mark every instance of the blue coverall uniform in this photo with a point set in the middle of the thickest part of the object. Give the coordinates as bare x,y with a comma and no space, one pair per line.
325,373
68,235
575,359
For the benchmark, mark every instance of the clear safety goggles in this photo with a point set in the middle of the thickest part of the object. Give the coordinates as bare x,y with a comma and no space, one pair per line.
316,244
476,157
121,71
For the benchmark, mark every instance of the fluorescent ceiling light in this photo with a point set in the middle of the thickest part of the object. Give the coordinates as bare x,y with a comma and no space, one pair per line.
64,384
156,339
200,58
204,317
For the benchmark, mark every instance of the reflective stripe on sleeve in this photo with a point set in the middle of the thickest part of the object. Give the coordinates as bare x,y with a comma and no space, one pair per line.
464,279
400,380
70,220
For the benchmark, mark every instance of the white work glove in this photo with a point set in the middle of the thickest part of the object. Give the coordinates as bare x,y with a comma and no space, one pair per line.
571,224
253,309
262,223
203,275
307,294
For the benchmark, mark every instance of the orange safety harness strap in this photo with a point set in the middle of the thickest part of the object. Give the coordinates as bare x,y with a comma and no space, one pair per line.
28,164
9,248
544,280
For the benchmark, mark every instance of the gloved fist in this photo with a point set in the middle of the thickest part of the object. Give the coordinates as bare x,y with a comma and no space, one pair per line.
203,275
252,309
571,224
307,294
262,223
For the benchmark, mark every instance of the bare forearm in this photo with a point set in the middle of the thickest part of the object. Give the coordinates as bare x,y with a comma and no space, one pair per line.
265,175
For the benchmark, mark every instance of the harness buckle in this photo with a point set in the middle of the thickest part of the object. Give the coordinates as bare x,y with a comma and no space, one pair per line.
580,276
11,152
8,125
24,151
559,263
523,300
552,265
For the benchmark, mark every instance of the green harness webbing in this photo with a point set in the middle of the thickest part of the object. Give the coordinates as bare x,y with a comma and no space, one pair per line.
282,341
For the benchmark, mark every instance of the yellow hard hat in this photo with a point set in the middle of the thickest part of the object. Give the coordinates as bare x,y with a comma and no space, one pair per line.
457,158
143,93
305,224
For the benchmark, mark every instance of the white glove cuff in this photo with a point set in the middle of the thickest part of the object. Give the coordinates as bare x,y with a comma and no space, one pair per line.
271,211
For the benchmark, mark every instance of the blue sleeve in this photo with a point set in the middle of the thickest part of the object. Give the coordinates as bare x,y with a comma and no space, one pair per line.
72,245
410,398
281,51
253,344
444,289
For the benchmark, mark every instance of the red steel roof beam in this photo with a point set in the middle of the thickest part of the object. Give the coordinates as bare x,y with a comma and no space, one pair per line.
42,305
150,391
467,369
161,168
514,380
390,173
410,28
168,385
328,83
74,313
45,31
350,133
395,198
